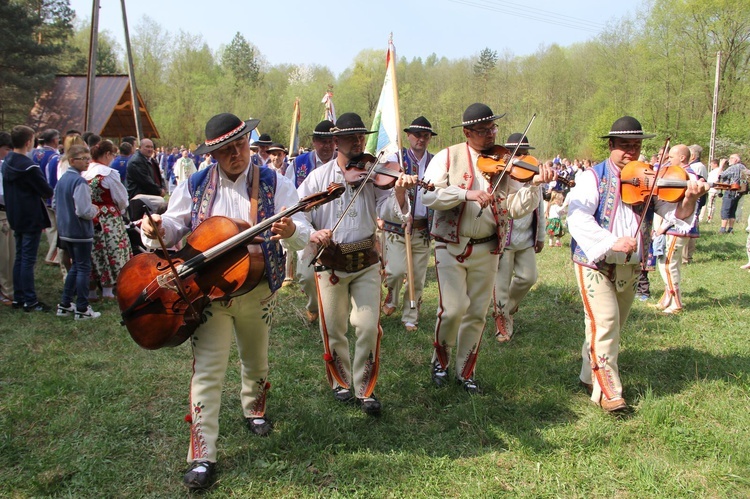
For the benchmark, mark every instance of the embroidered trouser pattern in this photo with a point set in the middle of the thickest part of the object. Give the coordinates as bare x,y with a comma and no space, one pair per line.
247,318
395,272
306,276
606,305
465,282
669,267
337,293
516,274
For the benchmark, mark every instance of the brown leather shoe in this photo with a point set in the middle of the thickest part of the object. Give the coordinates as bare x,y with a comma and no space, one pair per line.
614,405
410,328
388,311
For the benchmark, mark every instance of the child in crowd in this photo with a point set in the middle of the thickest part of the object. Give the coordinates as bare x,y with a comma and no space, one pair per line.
75,211
555,227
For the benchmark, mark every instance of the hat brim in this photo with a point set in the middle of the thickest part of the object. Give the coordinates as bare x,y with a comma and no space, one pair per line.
512,146
250,125
353,132
628,136
483,120
419,130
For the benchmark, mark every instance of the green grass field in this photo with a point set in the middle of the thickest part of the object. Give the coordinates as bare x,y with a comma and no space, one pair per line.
84,412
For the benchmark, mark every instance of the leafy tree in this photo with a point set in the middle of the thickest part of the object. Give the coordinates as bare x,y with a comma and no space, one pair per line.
28,45
108,59
240,59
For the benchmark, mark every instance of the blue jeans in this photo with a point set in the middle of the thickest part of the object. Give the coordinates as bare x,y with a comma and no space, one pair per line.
27,245
77,280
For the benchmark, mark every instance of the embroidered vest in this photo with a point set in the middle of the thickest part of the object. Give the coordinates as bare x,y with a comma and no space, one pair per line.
303,165
609,197
411,167
446,223
202,187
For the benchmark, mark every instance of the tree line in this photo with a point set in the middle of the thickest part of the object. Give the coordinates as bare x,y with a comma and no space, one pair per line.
657,65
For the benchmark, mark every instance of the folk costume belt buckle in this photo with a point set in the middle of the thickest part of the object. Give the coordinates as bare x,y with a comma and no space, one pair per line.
354,261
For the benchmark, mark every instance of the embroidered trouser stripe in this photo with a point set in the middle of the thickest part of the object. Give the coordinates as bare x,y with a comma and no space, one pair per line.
516,274
465,278
360,290
669,269
246,318
606,305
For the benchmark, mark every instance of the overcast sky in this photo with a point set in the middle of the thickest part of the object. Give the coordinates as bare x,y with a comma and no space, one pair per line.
332,33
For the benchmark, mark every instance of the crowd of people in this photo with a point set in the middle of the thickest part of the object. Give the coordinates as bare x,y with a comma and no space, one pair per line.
485,230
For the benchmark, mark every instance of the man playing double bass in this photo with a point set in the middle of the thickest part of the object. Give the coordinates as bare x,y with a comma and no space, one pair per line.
233,188
607,251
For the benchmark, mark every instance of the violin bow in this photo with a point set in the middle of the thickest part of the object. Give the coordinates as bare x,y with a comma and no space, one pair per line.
349,205
508,167
650,196
170,262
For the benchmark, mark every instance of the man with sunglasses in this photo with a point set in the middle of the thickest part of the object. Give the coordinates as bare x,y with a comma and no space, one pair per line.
469,228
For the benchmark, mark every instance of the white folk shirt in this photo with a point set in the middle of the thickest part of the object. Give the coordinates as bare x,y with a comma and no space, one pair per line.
420,210
595,241
231,200
445,197
521,233
360,221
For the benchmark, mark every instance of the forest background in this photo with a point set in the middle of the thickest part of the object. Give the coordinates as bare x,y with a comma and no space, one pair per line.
658,65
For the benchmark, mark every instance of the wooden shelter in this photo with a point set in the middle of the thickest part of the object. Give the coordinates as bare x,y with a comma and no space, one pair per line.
63,108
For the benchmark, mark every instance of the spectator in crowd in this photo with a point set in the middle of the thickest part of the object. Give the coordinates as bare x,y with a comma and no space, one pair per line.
183,167
120,163
144,179
49,141
733,174
75,212
7,244
111,244
24,190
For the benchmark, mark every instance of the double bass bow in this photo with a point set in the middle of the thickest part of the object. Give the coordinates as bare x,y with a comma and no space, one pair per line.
162,298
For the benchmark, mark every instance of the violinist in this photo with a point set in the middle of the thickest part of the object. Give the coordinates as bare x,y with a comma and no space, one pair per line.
415,158
676,239
734,174
234,188
517,271
348,274
469,228
607,251
299,168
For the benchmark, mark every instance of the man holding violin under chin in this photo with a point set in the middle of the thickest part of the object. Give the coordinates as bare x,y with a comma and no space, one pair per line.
237,189
607,248
348,270
469,228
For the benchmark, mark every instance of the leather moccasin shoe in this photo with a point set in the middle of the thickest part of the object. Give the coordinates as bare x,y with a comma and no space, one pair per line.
370,406
671,311
200,475
343,394
260,426
439,375
410,328
311,316
614,405
388,310
470,385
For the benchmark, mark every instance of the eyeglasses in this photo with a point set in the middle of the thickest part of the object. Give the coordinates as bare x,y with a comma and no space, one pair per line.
84,158
484,132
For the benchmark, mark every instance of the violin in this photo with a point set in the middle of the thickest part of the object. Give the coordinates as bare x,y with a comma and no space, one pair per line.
162,299
637,179
384,175
523,168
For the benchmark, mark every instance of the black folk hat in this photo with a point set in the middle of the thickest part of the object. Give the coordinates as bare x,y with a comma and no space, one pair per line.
323,129
263,140
478,113
516,139
277,147
349,124
627,127
420,125
223,129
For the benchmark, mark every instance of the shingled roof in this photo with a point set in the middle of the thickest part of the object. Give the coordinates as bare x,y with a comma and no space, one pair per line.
63,107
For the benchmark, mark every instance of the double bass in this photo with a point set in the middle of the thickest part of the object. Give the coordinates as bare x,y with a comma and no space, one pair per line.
162,298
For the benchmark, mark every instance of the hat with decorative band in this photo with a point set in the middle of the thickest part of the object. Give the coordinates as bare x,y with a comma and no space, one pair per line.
420,125
478,113
349,124
223,129
263,140
323,129
516,139
277,147
627,127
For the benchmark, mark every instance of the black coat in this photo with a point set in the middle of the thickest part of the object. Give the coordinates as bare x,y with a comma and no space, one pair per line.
141,176
25,190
